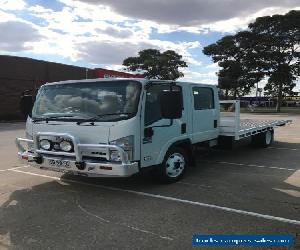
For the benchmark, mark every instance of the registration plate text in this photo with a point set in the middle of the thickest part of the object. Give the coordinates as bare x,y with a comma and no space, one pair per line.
59,163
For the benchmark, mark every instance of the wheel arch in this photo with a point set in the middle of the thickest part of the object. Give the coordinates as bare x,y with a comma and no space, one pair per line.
185,144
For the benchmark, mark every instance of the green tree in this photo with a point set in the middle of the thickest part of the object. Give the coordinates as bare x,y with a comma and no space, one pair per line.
277,51
234,76
157,65
270,48
285,81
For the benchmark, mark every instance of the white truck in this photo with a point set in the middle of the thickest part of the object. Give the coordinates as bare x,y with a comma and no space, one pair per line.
119,127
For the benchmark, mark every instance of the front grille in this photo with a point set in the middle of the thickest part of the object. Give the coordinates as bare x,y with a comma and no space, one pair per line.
97,155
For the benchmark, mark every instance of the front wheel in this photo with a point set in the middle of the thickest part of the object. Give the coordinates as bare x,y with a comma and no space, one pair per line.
173,167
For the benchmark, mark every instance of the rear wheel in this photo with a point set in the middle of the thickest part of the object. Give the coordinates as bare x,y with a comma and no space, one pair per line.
173,167
263,140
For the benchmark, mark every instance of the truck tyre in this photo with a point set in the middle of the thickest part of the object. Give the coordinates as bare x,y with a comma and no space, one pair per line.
173,167
263,140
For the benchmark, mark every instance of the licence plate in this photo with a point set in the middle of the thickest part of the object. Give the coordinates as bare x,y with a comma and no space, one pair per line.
59,163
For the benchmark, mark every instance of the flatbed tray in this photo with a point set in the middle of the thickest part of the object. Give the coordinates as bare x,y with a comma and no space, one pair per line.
232,125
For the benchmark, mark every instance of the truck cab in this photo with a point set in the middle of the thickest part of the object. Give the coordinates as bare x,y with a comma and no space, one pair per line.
119,127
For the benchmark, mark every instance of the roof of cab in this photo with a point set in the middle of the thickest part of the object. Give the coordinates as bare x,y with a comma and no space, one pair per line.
98,80
142,80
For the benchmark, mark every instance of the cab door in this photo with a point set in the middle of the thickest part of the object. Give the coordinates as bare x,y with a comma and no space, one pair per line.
204,113
157,133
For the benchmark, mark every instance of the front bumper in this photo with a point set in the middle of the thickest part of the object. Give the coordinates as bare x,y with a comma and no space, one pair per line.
73,162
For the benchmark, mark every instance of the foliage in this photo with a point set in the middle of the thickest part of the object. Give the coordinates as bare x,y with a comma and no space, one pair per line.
277,51
157,65
269,49
229,52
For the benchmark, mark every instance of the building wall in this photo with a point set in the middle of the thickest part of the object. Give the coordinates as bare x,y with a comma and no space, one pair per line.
18,74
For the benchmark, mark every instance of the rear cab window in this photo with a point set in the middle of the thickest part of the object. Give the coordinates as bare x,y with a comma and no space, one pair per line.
203,98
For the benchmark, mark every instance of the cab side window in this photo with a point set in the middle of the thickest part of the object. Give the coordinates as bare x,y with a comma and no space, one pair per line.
203,98
152,106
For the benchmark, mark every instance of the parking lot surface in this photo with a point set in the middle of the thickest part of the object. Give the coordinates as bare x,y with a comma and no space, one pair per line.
241,191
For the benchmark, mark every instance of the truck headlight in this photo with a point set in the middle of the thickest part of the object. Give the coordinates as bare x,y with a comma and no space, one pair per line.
66,146
45,144
125,143
114,155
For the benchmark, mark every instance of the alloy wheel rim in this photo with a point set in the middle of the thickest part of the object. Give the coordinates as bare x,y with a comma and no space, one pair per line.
268,137
175,165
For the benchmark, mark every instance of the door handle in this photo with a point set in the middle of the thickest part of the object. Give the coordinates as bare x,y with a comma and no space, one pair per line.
215,123
183,128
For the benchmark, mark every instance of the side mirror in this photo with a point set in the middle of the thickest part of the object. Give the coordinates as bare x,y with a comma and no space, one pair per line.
26,104
171,104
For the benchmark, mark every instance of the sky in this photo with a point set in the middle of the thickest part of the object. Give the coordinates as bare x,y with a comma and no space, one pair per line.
102,33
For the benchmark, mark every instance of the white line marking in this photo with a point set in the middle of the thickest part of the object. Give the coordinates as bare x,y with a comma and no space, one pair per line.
94,215
124,225
145,231
196,203
40,175
249,165
293,149
3,170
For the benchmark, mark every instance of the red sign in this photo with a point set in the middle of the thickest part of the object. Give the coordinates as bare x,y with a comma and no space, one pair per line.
106,73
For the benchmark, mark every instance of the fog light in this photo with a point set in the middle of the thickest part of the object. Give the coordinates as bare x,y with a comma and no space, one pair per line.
66,146
45,144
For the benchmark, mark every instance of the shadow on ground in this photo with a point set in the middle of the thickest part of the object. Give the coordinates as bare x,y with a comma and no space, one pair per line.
53,215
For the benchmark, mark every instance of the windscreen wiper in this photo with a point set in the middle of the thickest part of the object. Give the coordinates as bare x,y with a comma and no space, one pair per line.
49,118
96,118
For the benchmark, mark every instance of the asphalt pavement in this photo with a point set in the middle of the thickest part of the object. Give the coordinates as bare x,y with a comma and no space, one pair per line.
241,191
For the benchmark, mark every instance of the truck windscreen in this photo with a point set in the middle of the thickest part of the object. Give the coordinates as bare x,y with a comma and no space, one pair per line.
107,100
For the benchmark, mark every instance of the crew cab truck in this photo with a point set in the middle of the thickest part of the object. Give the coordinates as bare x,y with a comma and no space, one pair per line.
119,127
